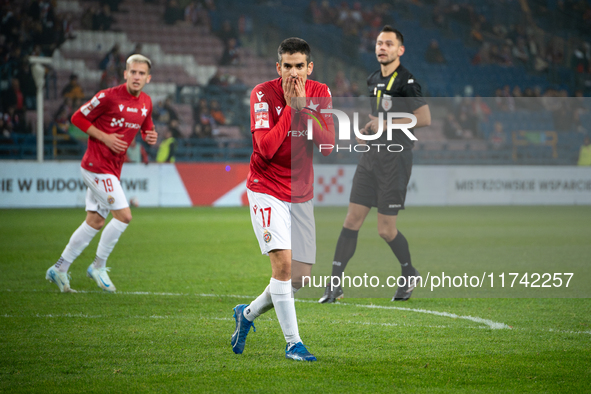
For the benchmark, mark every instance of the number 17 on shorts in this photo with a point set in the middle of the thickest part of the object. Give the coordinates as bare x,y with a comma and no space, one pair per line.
271,221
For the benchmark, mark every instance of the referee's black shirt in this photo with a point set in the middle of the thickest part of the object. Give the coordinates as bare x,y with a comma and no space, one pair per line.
385,96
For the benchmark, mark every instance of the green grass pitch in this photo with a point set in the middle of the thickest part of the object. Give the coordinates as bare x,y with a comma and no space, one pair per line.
179,273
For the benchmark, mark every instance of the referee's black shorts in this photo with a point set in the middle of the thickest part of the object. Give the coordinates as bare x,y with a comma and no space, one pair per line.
383,183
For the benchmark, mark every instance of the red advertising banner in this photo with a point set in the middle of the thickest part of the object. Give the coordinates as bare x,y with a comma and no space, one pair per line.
207,183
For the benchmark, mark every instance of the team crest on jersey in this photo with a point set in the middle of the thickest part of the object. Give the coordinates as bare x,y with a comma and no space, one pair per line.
387,103
111,199
267,236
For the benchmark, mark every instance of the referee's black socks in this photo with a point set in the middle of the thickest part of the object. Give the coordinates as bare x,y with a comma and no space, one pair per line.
399,246
345,250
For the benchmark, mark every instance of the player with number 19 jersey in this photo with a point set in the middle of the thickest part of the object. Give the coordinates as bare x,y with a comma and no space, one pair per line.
113,110
281,162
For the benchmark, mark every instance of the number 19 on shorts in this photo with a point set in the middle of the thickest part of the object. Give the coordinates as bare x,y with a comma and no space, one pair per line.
107,184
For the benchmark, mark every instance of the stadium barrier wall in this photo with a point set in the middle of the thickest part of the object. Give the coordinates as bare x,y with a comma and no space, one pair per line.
470,185
59,184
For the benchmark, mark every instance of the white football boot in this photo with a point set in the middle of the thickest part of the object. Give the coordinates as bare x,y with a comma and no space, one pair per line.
101,277
61,279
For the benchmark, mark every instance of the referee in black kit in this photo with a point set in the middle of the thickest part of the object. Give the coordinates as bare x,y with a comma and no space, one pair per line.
382,176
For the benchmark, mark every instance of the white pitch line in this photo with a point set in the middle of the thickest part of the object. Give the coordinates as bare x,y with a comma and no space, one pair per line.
491,324
336,322
83,316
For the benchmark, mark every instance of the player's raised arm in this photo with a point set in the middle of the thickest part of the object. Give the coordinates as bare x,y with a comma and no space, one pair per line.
267,138
324,133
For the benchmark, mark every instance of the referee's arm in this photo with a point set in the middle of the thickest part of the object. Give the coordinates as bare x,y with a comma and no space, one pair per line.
422,113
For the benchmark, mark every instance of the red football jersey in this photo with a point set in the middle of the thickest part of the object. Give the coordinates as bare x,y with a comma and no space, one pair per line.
281,162
113,110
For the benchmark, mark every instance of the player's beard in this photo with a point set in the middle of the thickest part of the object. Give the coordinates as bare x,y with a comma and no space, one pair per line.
387,61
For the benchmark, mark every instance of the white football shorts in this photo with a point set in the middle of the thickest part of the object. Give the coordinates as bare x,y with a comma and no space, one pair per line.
282,225
104,193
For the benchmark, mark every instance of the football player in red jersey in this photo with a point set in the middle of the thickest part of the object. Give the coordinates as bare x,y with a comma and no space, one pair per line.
280,188
111,119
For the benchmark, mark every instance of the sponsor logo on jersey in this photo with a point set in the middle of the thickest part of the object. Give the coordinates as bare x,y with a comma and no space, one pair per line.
101,95
86,108
261,120
261,107
260,95
121,106
329,92
381,85
267,236
297,133
144,111
255,209
132,125
278,109
411,80
394,206
96,180
117,122
134,110
111,199
90,106
261,115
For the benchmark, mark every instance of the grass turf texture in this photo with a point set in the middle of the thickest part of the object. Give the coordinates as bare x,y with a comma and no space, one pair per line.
204,258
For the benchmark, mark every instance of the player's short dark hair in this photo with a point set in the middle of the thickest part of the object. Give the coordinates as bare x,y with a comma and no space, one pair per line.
294,45
390,29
